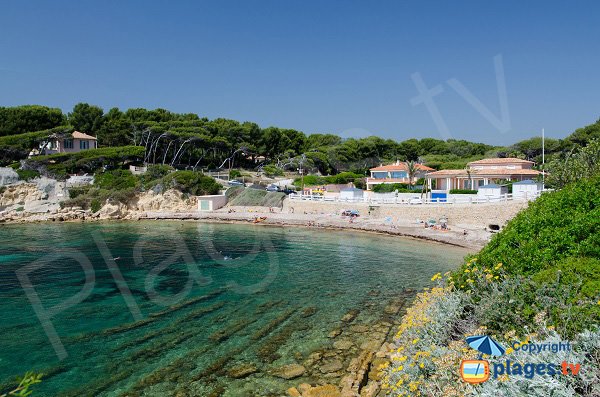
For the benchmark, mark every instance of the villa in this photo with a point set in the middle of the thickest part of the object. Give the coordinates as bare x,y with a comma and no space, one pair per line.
481,173
69,143
395,173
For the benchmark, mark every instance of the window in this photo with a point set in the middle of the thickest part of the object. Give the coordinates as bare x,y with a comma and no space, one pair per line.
399,174
379,174
84,144
68,143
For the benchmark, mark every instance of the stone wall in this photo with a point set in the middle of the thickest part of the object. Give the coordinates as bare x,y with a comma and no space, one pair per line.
472,216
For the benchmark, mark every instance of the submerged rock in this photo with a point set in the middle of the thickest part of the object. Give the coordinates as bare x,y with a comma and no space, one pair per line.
290,371
350,316
242,370
336,332
343,344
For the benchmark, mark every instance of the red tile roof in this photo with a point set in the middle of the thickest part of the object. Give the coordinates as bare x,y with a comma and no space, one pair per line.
484,172
81,135
400,167
506,160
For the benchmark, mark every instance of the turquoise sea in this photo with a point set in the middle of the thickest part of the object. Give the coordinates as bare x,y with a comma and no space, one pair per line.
194,309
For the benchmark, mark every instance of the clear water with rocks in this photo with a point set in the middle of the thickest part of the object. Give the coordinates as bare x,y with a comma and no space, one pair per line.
196,309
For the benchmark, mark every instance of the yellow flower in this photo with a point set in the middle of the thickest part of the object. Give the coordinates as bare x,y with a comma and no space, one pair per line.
470,281
467,270
498,266
436,276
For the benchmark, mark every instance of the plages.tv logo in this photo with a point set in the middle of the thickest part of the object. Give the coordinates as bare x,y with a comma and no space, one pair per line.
479,371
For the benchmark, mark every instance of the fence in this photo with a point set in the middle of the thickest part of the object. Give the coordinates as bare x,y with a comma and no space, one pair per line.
416,199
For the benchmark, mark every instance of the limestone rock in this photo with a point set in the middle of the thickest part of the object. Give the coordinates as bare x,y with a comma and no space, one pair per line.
290,371
336,332
343,344
370,390
323,391
293,392
360,328
331,366
304,387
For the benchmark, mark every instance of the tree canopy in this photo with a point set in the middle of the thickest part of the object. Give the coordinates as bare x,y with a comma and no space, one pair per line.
188,141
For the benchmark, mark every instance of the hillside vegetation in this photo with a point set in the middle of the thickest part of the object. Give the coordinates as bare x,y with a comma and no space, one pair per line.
537,281
187,141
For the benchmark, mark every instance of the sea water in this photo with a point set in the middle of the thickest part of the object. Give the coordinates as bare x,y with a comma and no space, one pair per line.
195,309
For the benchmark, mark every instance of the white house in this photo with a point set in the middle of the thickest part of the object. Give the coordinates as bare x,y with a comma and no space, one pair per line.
67,143
482,172
395,173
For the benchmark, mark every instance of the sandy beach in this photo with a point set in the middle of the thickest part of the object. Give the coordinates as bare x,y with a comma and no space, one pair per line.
473,240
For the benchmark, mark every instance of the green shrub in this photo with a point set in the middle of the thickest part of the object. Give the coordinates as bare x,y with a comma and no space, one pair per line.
95,205
271,171
27,175
115,180
20,209
343,178
392,187
123,195
157,171
309,180
192,182
234,174
78,191
555,226
463,191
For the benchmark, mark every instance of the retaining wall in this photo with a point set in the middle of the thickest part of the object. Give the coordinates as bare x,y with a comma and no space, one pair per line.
471,216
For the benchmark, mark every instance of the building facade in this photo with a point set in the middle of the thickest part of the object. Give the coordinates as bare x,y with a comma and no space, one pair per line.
482,172
77,142
395,173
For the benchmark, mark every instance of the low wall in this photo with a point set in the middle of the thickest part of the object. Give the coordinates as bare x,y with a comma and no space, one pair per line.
470,216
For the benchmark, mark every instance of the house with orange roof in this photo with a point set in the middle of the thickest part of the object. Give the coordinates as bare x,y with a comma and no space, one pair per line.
482,172
395,173
68,143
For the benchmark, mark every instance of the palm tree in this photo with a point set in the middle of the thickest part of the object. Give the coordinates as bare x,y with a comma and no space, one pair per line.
411,168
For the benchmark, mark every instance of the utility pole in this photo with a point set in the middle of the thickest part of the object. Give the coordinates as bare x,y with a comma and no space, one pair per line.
543,159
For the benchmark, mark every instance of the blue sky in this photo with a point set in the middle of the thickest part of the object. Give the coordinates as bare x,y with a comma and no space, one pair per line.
341,67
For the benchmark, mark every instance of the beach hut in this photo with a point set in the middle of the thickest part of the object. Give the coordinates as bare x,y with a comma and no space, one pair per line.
492,191
351,194
212,202
527,189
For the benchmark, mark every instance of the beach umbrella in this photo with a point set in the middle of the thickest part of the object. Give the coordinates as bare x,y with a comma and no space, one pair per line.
486,345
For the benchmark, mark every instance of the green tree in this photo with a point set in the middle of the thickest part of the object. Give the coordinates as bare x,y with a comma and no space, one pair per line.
29,118
584,163
86,118
412,168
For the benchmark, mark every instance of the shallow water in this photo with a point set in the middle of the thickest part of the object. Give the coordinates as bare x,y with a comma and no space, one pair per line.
193,302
